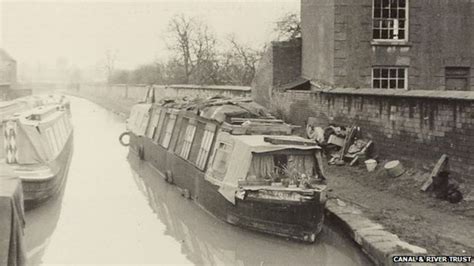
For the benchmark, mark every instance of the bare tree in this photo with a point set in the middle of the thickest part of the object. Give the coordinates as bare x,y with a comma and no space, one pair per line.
194,45
109,64
288,27
239,63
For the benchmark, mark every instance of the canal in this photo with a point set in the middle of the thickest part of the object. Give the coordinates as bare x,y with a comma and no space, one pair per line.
115,210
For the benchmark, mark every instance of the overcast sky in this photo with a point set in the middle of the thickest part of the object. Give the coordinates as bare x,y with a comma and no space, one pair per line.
80,31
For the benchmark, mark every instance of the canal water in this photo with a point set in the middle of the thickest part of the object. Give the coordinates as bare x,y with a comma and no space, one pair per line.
114,209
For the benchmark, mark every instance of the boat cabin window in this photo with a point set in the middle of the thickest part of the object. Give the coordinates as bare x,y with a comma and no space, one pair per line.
182,125
205,146
155,117
159,126
198,137
170,120
281,165
188,140
194,141
221,159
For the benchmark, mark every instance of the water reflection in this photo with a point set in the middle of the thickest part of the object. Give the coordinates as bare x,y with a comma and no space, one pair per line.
208,241
41,223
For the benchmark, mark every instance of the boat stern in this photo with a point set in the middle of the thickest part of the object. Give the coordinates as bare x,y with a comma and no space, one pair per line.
295,214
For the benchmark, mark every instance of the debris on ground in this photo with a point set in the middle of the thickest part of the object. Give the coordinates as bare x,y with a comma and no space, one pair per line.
446,188
440,166
394,168
342,144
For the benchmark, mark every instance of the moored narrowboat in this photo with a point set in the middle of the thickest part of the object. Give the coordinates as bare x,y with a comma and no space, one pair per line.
236,160
37,146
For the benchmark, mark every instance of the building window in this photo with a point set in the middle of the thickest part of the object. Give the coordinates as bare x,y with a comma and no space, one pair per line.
389,78
457,78
390,20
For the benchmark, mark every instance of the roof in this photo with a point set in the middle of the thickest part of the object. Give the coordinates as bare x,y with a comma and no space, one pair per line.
257,143
298,84
212,87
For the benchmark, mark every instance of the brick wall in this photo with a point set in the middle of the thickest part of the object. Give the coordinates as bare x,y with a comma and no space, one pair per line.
416,130
280,64
286,61
138,92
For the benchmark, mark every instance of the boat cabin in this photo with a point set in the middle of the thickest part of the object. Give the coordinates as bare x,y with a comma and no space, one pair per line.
235,160
234,142
37,135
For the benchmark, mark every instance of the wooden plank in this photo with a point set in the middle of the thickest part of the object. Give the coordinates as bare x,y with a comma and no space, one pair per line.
354,160
440,165
347,142
279,141
242,120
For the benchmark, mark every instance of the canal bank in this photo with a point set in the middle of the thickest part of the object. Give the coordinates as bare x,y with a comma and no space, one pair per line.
112,211
371,237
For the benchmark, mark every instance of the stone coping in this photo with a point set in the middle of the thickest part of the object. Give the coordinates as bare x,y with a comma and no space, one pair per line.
427,94
192,86
378,243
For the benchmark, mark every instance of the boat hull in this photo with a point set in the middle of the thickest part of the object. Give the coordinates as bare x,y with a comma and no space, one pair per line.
296,220
40,183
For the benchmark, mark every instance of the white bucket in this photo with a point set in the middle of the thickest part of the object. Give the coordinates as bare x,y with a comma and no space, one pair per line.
371,164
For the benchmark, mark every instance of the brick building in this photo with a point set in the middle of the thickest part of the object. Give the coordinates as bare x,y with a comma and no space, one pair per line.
7,74
400,69
397,44
7,68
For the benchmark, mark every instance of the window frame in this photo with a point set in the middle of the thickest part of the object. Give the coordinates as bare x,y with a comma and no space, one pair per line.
166,135
389,68
159,126
206,146
449,74
188,139
406,21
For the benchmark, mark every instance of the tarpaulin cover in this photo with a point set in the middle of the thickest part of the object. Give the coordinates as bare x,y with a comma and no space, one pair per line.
12,250
241,158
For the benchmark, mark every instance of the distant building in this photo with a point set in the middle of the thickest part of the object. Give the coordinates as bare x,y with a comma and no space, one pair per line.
9,88
8,68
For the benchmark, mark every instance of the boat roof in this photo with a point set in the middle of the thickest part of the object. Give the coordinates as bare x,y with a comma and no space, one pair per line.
267,143
219,108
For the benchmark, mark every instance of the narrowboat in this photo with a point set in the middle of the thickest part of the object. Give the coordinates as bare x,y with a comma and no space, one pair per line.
235,160
37,146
